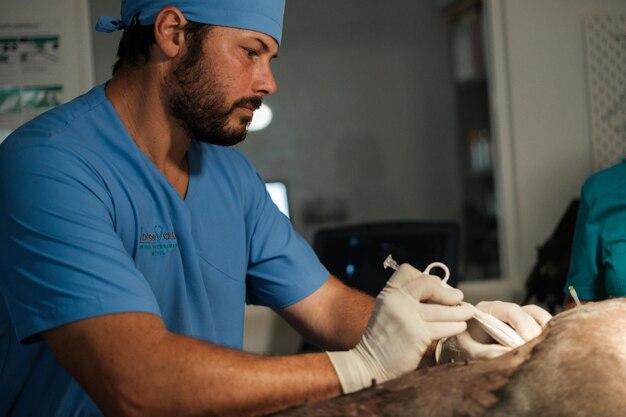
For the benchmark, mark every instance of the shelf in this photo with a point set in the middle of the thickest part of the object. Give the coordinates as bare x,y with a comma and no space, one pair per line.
466,39
479,243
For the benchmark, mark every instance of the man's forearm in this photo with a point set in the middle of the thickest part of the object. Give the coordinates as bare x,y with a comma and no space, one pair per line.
333,318
131,366
227,382
347,320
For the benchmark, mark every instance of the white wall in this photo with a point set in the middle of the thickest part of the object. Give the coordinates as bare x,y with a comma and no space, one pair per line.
542,116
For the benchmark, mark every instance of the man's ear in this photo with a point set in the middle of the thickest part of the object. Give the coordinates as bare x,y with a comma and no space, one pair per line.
168,31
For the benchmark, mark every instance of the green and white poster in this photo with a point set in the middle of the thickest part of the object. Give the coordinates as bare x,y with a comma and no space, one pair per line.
45,57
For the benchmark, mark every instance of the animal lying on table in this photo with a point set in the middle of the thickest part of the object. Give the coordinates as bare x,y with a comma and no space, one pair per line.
576,367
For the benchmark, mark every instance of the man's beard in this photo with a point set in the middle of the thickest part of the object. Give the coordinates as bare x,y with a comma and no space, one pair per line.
200,106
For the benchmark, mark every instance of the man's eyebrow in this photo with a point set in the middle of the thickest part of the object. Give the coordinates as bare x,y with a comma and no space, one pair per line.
265,47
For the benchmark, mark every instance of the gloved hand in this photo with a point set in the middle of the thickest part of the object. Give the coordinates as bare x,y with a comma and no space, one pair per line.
411,312
474,343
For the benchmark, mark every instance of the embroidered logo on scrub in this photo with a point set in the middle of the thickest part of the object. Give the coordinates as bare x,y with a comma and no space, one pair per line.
157,241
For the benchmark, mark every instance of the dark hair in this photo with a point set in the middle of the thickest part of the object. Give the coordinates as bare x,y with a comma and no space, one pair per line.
134,47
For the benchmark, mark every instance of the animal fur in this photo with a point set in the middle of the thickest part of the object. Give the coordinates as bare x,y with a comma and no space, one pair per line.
576,367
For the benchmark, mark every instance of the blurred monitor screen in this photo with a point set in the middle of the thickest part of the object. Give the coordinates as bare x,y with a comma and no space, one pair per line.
278,193
355,254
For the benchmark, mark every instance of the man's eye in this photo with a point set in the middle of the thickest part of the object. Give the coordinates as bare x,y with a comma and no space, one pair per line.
251,53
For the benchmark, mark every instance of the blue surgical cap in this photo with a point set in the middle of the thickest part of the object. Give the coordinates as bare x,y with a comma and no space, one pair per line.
265,16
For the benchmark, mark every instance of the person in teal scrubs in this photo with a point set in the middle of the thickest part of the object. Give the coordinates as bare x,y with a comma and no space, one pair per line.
598,261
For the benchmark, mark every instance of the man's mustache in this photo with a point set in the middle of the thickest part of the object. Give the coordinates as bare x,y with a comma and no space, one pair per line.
255,102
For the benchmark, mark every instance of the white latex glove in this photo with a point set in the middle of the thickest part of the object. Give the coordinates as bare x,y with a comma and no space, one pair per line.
411,312
528,321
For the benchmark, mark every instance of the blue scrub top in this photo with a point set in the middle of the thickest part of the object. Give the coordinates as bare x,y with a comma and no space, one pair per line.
598,263
89,226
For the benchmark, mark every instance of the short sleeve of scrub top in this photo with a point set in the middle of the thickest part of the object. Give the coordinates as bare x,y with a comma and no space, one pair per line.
56,199
281,267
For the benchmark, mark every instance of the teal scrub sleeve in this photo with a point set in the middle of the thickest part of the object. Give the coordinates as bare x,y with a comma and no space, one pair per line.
585,262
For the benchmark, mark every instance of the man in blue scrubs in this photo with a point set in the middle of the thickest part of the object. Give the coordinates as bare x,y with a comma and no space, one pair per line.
133,234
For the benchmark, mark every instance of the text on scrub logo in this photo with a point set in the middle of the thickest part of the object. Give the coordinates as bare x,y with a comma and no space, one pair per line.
157,241
157,236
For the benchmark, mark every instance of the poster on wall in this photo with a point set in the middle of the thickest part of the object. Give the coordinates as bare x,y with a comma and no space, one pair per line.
605,39
31,72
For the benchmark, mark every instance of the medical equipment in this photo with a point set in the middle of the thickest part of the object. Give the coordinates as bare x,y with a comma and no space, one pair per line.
497,329
574,295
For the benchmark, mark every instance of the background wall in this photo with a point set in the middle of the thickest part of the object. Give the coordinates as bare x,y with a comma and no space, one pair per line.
541,111
104,44
364,118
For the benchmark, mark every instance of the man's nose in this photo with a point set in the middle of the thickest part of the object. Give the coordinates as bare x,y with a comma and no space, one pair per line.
265,83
